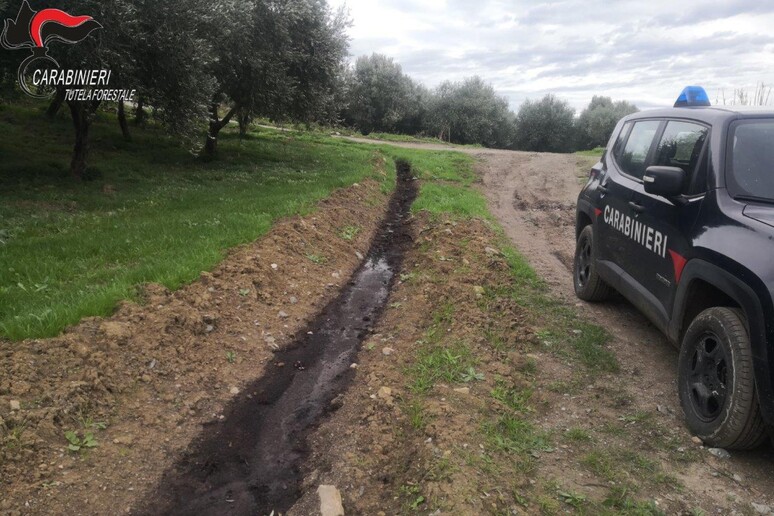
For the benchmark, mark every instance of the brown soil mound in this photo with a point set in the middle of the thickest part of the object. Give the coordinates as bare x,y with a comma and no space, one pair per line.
390,449
144,381
530,430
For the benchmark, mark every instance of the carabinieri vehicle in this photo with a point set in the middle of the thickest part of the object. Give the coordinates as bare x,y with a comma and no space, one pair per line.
678,216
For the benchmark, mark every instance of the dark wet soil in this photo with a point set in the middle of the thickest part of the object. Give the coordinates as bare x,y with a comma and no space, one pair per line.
249,462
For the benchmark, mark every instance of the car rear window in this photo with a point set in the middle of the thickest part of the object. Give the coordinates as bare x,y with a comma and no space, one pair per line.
751,163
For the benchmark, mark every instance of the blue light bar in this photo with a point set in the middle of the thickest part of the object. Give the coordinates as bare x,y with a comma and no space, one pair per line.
693,96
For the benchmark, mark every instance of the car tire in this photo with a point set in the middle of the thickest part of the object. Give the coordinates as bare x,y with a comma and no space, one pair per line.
588,285
717,382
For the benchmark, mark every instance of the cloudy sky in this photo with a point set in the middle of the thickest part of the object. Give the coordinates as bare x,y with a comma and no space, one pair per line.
644,51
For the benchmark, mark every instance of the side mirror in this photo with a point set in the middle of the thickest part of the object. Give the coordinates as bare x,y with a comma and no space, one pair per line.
664,181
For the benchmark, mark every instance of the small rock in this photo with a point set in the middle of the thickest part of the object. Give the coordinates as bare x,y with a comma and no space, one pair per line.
145,378
283,315
463,390
388,351
737,478
272,343
479,291
761,509
15,405
335,275
386,394
354,366
274,266
696,440
210,328
330,501
359,255
234,391
126,440
293,300
491,251
720,453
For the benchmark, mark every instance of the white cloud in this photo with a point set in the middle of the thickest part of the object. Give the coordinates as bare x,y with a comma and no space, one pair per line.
645,52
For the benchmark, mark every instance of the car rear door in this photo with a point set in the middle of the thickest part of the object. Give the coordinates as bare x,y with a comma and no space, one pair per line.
662,226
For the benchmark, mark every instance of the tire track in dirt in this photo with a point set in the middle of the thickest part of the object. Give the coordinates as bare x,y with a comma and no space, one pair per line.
533,196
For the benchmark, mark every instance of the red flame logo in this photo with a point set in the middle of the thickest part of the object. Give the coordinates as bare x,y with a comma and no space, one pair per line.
54,16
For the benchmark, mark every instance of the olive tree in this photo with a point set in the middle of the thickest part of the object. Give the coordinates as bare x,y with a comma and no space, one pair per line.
275,58
170,67
108,48
596,123
471,112
383,98
546,125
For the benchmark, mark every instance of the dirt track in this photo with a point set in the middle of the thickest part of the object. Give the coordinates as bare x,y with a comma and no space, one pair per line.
533,196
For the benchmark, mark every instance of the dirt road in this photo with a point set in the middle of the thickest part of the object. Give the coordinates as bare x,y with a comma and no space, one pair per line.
533,196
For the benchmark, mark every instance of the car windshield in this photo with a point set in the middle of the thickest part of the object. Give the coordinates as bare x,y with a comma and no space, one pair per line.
752,160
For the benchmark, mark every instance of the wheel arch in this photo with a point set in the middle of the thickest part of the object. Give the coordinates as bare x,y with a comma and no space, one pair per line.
583,217
704,285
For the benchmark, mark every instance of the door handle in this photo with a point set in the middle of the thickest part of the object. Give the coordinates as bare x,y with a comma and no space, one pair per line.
602,189
639,208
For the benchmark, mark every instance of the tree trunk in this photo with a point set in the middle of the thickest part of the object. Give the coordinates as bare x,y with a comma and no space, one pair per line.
81,123
122,121
139,112
244,124
56,103
211,145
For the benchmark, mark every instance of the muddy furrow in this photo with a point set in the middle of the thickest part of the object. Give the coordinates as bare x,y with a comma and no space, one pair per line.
249,462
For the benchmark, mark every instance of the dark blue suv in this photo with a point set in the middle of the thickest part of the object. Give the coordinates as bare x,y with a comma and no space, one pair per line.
678,217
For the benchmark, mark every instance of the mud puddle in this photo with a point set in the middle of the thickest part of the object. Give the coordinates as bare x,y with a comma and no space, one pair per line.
248,463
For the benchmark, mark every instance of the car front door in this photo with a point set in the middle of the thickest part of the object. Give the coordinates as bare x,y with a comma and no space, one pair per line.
624,174
660,238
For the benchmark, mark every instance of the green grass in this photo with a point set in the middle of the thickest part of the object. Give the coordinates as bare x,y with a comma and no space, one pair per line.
446,182
512,434
515,399
440,362
402,138
595,153
578,435
350,232
156,213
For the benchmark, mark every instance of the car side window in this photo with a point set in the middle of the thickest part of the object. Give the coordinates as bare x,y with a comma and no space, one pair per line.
681,146
619,142
634,154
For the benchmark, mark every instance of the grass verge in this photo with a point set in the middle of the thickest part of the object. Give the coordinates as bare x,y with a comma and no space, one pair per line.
594,153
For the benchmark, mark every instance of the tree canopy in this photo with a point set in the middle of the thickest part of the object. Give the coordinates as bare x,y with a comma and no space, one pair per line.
597,122
286,60
546,125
